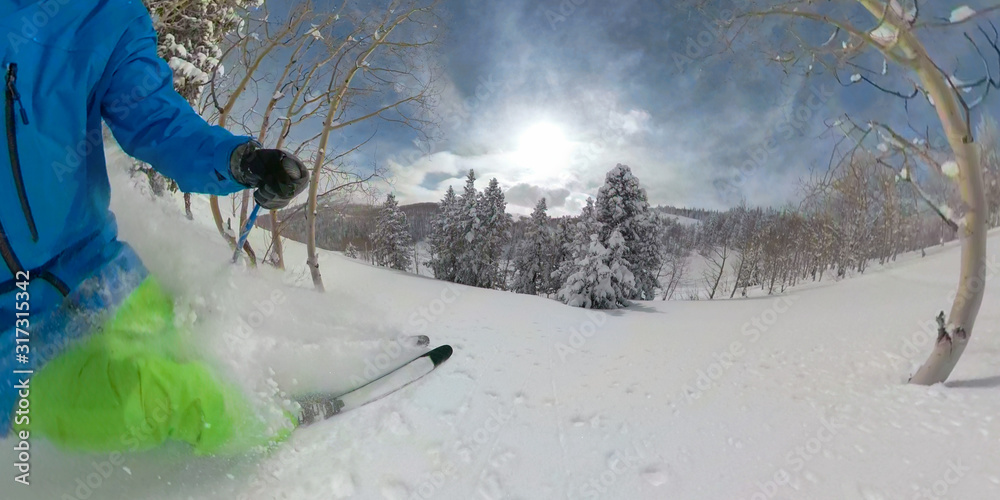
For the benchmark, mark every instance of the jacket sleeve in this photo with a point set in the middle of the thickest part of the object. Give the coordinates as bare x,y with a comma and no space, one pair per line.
153,123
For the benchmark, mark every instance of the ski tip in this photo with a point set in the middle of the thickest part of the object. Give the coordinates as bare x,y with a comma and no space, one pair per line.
439,354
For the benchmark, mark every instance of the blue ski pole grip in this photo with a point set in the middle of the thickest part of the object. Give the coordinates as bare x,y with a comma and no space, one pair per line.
246,231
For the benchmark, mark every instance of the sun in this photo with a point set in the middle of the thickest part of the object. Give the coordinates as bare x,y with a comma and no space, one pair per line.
544,145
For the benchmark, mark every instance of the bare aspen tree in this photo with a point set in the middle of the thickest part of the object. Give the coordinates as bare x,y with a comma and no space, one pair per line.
375,75
716,247
896,30
249,49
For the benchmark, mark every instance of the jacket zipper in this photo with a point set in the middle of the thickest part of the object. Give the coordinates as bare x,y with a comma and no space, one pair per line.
46,276
13,97
54,280
6,250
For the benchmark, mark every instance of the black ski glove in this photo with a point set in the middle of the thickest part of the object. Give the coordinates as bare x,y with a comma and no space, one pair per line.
276,175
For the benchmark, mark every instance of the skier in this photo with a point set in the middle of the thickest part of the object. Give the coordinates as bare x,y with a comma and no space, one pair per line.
89,356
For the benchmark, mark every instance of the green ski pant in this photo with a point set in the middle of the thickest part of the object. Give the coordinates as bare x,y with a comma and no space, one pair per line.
129,387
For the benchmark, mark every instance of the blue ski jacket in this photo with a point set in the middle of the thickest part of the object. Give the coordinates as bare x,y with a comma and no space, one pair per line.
68,64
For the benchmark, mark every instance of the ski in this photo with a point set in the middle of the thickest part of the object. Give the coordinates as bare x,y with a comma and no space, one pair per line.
319,407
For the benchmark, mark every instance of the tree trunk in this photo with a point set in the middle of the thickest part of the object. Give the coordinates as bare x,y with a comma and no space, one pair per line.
739,274
718,278
972,275
187,206
219,224
312,260
954,335
279,253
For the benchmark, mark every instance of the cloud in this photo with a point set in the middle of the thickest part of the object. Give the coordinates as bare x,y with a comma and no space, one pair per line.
710,132
527,195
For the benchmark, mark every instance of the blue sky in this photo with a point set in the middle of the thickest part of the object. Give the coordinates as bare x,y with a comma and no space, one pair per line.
547,96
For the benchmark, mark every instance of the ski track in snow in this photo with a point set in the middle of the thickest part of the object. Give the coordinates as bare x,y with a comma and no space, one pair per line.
733,399
558,420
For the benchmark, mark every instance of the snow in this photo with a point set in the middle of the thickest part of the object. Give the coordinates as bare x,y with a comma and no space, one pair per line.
833,36
961,14
315,32
173,47
950,169
788,397
958,83
946,211
186,70
908,15
884,34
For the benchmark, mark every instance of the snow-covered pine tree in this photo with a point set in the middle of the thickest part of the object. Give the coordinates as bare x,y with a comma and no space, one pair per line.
533,256
351,251
562,251
190,35
467,244
587,277
189,39
494,231
622,205
602,279
392,245
578,247
444,238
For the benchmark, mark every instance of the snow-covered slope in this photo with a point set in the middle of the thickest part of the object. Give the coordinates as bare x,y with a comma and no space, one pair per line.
792,397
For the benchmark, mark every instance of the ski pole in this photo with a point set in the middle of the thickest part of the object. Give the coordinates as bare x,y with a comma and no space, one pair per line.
246,232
